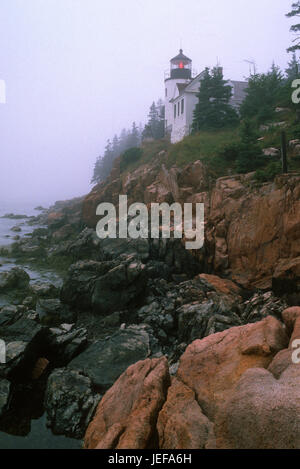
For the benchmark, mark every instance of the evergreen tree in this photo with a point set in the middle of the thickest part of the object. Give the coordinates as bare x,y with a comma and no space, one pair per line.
296,27
115,146
213,110
262,95
133,139
155,125
97,171
292,72
250,156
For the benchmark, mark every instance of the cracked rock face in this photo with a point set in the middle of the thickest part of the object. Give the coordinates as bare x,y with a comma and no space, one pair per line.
69,402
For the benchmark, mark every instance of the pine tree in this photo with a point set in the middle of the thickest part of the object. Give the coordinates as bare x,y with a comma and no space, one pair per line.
292,72
296,27
155,125
213,110
133,139
250,156
262,95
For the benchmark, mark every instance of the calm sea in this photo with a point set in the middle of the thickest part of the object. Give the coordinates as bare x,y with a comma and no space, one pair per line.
36,434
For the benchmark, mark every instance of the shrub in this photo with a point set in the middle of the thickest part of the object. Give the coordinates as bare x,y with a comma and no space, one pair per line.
230,152
268,173
130,156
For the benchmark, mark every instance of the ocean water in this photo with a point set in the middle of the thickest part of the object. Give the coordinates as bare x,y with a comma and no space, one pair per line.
6,224
33,434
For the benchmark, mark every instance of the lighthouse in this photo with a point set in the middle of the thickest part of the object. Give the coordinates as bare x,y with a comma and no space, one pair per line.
180,74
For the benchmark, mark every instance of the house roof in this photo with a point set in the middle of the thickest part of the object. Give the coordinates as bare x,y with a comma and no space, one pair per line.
181,56
238,92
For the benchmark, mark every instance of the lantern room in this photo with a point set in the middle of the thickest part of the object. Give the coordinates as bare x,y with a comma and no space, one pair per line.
181,66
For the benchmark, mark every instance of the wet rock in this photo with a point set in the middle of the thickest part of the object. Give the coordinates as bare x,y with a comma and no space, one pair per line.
29,249
62,345
119,286
16,278
104,287
16,229
9,315
24,339
63,233
52,312
126,415
69,402
158,316
87,245
198,320
29,302
105,360
5,394
44,290
78,286
13,216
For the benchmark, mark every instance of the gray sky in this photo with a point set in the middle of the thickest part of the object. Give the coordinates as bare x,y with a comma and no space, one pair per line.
78,71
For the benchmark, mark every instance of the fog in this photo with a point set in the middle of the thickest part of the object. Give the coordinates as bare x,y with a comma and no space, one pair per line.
78,71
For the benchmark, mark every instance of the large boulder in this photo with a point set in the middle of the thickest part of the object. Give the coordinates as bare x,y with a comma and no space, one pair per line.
104,287
212,366
118,287
9,315
24,340
262,412
43,290
52,312
105,360
126,415
69,402
14,279
64,343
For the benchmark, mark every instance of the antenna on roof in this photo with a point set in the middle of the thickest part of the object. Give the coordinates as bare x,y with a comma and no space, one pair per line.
253,64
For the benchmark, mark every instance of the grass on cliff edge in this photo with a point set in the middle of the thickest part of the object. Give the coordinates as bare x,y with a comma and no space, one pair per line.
201,146
207,147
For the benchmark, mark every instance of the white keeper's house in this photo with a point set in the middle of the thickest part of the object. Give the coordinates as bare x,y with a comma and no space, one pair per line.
181,88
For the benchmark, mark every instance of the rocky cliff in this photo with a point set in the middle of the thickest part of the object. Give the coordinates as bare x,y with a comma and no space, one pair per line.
252,230
174,348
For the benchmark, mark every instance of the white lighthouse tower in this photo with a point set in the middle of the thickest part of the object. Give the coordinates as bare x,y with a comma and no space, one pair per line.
180,73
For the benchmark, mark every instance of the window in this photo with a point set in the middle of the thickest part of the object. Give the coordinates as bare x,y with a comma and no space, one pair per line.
174,111
182,106
166,92
178,108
